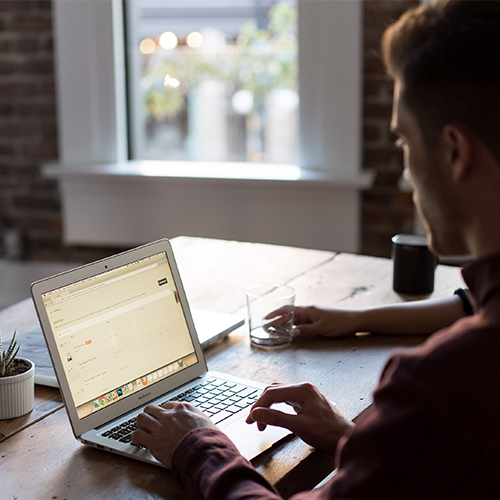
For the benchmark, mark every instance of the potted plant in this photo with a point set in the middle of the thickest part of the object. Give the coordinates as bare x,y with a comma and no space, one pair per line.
17,382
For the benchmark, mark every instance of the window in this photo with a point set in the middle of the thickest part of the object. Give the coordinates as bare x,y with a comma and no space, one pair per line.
213,80
107,195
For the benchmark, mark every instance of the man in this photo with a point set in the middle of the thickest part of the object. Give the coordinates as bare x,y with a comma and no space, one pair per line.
433,429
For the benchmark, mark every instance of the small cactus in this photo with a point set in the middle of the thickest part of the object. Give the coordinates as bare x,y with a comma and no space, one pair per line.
7,358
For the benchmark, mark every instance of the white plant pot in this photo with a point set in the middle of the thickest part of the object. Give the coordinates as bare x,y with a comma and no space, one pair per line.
17,393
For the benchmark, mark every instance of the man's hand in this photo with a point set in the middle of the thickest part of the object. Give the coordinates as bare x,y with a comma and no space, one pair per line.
326,322
317,421
161,428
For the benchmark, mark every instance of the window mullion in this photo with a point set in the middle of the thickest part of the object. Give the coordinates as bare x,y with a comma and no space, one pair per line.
90,81
330,69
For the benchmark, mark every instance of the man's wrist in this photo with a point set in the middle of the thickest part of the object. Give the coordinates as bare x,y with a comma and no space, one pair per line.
359,320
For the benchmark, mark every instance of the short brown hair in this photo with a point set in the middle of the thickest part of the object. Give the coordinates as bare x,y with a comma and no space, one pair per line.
446,54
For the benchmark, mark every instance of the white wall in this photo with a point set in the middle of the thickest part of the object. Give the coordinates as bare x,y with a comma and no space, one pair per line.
118,211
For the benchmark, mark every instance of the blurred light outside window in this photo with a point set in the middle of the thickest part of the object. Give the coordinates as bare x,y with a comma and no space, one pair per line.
213,80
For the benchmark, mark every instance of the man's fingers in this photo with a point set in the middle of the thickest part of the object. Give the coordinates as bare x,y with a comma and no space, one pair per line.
142,438
282,311
267,416
302,315
147,418
292,395
277,322
267,399
306,329
153,410
169,405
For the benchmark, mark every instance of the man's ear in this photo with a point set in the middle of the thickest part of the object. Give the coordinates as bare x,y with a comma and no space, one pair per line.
458,151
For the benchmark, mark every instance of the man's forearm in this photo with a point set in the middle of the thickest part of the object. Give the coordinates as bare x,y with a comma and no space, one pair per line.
419,317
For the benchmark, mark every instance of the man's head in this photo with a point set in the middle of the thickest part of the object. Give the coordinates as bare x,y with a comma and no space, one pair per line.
445,59
446,55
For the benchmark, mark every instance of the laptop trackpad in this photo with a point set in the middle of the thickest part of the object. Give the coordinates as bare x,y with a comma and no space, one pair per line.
249,440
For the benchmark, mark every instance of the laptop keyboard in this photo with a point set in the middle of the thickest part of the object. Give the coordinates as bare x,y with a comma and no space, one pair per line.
217,398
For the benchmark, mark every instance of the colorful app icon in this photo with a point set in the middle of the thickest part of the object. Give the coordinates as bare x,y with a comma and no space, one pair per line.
102,401
144,380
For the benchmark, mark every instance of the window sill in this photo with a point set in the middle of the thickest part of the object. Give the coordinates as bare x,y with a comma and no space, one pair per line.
134,202
213,171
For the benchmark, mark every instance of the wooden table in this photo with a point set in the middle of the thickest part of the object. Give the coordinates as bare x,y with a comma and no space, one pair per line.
39,457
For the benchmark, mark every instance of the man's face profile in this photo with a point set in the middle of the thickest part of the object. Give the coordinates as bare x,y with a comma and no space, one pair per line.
424,167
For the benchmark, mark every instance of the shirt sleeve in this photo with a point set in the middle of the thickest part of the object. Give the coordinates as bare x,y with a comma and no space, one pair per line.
210,467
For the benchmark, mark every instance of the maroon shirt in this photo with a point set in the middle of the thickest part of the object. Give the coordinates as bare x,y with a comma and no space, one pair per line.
432,432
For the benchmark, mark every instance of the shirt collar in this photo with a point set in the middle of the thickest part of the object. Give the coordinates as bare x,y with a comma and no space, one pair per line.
483,278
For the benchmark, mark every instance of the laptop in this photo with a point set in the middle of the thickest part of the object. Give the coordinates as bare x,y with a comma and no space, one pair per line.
121,336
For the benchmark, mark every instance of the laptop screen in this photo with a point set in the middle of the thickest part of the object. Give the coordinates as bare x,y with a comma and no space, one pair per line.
119,331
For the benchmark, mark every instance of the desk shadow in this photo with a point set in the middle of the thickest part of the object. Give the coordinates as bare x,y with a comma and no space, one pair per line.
102,474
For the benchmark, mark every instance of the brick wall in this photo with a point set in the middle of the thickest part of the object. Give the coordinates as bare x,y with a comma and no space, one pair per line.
386,210
28,134
27,118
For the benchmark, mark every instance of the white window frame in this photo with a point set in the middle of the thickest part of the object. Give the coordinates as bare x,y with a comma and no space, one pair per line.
92,106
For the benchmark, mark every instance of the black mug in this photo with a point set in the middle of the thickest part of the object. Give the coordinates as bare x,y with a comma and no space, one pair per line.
414,265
